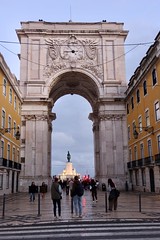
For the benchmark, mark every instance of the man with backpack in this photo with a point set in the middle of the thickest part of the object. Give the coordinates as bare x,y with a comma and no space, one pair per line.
77,193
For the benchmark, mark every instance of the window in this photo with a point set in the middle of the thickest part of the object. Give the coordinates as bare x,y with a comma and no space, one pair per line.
129,133
145,88
133,126
154,77
142,150
13,154
158,141
4,86
8,151
15,102
2,149
9,124
147,118
157,111
149,148
138,96
135,153
140,123
132,102
10,95
15,129
3,118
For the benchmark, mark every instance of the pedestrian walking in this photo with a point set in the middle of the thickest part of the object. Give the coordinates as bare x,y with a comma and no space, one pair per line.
113,195
77,193
43,189
32,191
56,196
93,189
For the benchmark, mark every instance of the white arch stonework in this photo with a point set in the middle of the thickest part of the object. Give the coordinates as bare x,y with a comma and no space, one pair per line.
73,58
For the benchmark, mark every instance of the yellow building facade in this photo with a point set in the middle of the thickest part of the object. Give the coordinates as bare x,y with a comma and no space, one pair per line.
143,120
10,121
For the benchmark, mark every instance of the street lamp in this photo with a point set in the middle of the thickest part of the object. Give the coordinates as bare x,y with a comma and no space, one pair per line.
146,129
6,130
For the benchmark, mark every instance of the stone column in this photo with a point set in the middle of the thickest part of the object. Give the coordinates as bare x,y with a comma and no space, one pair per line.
112,145
36,160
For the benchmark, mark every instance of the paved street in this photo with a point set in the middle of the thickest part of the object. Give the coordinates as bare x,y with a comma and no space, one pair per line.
19,210
137,217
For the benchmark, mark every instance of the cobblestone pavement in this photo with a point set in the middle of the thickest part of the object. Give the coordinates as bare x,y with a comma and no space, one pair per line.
18,210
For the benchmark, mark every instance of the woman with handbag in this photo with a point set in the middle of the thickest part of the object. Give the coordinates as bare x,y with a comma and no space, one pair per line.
113,195
56,196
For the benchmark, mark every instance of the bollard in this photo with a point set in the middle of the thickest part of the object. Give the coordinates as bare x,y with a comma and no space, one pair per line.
39,197
4,201
106,200
139,202
72,205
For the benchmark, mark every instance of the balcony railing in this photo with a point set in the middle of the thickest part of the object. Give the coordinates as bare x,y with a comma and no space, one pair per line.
141,162
9,164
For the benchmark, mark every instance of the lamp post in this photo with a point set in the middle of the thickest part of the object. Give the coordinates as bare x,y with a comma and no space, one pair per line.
146,129
6,130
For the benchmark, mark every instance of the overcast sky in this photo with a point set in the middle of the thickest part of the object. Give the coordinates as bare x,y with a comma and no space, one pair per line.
72,129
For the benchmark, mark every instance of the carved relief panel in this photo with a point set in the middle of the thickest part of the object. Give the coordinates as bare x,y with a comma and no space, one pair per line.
72,53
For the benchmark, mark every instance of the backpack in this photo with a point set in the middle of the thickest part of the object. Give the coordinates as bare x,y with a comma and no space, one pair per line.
79,190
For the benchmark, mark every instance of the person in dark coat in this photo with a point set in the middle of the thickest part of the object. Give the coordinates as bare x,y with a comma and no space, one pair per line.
32,191
93,189
77,193
112,195
56,196
43,189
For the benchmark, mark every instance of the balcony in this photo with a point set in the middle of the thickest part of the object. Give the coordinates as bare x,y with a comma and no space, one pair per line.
5,163
142,162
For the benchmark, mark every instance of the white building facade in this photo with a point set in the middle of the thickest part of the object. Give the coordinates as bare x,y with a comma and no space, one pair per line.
73,58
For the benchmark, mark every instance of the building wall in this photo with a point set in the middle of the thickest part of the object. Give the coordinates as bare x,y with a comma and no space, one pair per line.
10,117
144,161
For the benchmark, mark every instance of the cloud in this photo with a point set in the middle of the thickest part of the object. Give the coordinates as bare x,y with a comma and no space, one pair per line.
61,139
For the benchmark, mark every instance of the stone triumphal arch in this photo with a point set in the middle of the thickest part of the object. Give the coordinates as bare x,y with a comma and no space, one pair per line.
73,58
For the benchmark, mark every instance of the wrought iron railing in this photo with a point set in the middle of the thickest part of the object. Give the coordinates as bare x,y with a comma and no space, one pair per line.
9,164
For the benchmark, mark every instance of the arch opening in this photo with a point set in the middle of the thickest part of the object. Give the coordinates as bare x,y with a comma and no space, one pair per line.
72,132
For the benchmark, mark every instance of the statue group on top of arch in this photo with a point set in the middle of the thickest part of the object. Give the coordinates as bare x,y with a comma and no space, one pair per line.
72,53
